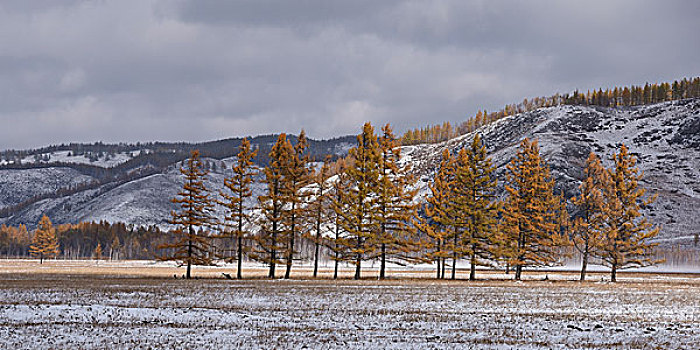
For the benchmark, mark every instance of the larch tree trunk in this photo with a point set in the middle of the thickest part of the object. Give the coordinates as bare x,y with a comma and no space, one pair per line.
189,253
437,260
382,268
472,268
584,263
239,274
317,244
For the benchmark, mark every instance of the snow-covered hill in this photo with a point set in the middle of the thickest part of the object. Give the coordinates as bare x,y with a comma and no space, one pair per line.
18,185
127,183
665,136
144,201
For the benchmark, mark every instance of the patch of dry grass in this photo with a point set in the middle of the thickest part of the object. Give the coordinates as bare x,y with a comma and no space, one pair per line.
139,305
141,268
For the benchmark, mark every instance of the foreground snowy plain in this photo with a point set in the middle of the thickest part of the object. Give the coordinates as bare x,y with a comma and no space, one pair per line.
139,306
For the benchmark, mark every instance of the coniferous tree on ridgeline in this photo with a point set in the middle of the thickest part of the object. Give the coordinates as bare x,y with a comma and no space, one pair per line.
613,97
239,190
192,221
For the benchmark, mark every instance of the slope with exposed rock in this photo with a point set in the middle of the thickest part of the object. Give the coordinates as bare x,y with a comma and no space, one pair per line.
665,137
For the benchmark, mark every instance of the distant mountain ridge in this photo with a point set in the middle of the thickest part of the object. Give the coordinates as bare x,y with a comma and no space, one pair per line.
126,156
52,174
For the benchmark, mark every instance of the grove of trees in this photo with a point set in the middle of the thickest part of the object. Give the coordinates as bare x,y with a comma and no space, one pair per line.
78,241
363,208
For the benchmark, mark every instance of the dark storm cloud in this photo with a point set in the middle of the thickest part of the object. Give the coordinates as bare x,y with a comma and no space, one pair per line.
298,13
198,70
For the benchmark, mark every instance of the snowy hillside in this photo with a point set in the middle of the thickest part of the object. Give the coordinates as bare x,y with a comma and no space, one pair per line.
145,201
17,185
665,137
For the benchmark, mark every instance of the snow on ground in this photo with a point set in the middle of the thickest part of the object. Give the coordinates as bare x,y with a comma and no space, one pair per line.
95,311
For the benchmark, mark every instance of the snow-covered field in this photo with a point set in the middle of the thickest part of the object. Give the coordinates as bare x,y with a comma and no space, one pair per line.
101,310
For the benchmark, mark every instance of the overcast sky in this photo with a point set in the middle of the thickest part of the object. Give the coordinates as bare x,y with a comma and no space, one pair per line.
145,70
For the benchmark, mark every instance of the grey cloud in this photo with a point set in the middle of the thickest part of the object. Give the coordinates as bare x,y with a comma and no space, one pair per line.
139,70
302,13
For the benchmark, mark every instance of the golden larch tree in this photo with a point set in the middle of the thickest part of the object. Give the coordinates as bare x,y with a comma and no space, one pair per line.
529,214
45,243
338,244
357,209
475,207
296,176
98,253
319,209
270,239
114,248
438,225
191,243
396,237
626,233
587,225
236,193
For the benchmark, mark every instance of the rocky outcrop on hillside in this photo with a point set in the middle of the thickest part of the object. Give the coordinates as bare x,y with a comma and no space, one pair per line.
665,137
